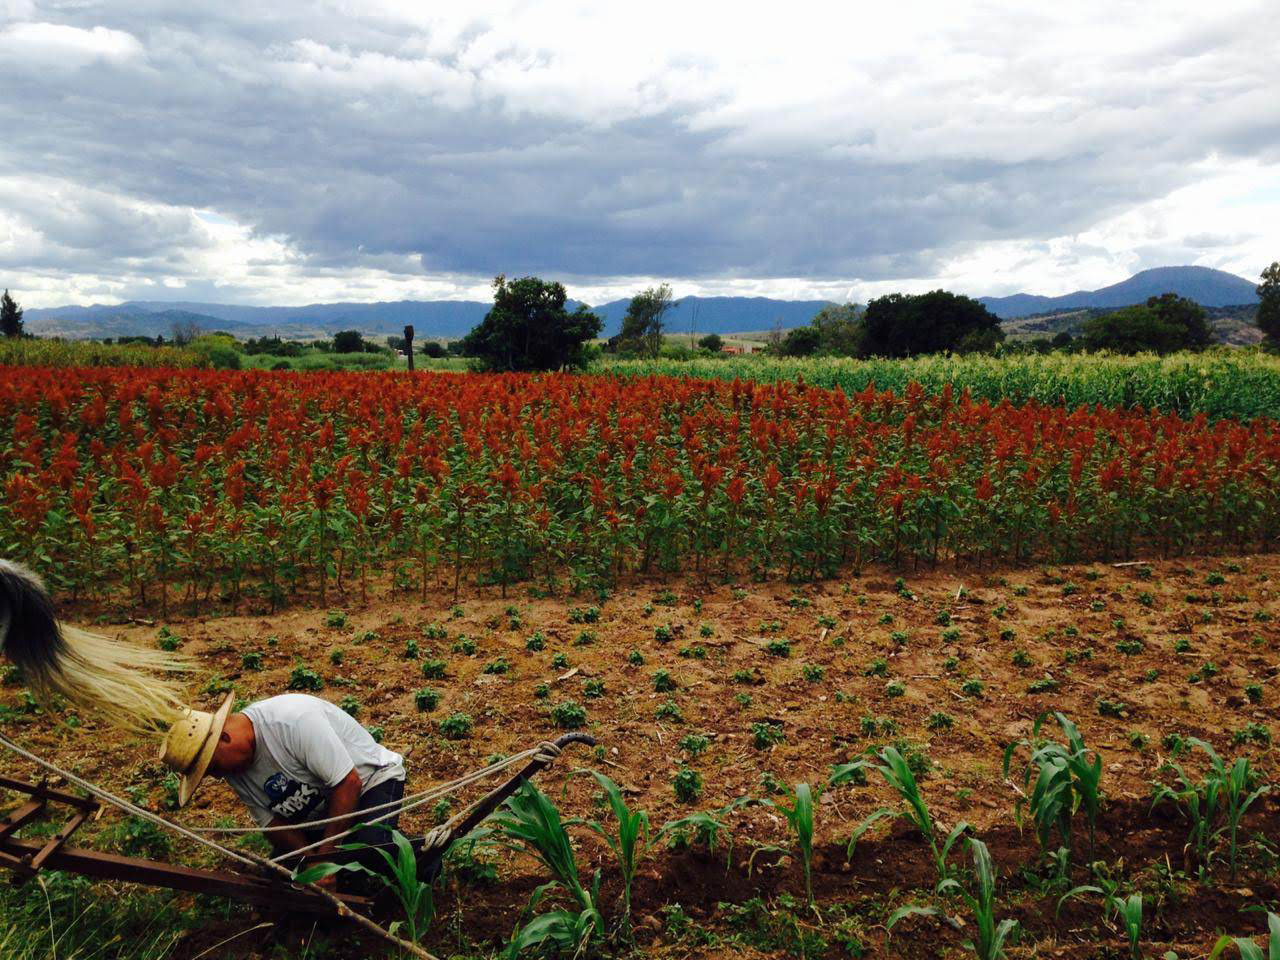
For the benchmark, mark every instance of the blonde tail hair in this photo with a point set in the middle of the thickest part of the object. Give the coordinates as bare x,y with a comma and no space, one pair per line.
128,686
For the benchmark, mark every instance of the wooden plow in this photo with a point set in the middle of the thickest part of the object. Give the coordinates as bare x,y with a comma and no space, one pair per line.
26,858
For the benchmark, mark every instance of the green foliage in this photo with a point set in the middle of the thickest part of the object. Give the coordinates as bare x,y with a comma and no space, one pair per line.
569,715
799,817
687,784
897,773
1214,805
1066,780
456,726
401,878
765,734
529,822
1268,318
304,678
426,699
1247,948
528,328
1240,384
990,936
1162,325
644,321
901,325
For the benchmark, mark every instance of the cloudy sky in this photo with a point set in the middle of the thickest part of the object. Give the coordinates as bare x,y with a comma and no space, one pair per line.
290,153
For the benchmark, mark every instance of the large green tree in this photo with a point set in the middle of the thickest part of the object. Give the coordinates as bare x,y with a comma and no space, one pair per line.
839,328
10,316
643,325
1269,304
528,328
900,325
1163,324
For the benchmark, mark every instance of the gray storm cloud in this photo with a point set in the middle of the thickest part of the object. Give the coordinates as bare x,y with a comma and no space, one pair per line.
467,150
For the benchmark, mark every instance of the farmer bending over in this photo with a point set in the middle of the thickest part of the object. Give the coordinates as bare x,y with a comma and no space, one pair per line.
293,759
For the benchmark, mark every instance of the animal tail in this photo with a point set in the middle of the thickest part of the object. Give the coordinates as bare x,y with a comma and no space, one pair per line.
125,685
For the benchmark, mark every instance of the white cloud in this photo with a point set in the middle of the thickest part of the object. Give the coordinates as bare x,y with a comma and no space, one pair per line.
61,46
805,150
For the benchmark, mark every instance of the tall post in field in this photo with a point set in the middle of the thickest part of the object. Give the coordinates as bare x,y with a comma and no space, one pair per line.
408,343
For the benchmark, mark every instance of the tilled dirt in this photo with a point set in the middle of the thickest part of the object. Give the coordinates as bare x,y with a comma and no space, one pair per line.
940,665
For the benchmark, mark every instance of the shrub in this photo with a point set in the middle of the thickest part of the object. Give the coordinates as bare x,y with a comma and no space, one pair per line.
669,710
304,678
349,705
433,669
251,660
569,715
687,785
765,734
456,726
663,682
426,699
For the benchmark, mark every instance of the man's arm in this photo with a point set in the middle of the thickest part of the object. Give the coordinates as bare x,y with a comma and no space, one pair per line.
342,802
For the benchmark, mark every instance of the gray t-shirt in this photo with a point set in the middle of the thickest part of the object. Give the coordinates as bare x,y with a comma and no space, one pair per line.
304,747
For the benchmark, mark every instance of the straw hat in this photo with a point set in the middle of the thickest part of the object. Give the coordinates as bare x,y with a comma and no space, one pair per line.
188,747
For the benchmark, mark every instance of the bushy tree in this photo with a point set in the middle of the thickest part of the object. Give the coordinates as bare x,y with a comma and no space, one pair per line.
800,342
900,325
433,350
712,343
1163,324
348,341
1269,304
10,316
528,328
839,328
644,323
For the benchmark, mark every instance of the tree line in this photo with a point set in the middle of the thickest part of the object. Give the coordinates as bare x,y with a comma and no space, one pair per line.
529,327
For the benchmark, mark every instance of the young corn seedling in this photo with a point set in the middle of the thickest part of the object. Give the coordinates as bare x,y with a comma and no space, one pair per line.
1250,950
401,878
1066,780
530,822
1224,792
633,839
1129,910
898,775
990,937
799,817
629,843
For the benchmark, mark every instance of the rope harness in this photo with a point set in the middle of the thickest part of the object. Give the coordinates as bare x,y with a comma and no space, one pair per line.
546,752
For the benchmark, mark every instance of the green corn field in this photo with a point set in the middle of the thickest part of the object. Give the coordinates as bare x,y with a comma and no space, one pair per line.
1237,383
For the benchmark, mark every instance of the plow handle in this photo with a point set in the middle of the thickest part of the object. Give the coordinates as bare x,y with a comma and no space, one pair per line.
431,861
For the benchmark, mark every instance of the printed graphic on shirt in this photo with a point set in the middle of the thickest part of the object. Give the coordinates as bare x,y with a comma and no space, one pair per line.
290,799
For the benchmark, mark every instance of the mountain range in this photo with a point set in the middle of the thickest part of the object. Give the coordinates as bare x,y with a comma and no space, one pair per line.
1204,285
448,319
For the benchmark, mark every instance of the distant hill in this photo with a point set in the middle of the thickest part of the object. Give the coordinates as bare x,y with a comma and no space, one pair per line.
1233,325
450,319
1204,285
443,319
720,314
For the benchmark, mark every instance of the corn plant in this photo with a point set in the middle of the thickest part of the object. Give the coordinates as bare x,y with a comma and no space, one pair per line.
898,775
633,839
1223,792
1066,780
1250,950
629,843
799,817
530,822
990,936
1129,910
401,878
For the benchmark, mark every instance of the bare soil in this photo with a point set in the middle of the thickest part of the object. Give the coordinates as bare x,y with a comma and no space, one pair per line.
1126,647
